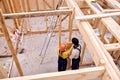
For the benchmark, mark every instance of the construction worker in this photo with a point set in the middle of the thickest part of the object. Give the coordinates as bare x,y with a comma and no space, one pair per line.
14,35
63,54
75,54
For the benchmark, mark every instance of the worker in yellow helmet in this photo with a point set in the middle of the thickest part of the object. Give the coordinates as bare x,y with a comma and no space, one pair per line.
63,54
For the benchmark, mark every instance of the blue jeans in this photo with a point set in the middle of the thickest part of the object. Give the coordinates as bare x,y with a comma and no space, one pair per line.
62,64
75,63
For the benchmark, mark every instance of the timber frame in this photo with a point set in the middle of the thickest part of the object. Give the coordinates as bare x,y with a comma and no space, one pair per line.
94,14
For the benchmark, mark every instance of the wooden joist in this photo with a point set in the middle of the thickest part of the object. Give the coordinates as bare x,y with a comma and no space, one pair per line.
37,14
101,15
113,27
82,74
112,47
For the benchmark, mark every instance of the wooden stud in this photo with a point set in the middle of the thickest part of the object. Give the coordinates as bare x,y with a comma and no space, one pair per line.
112,46
13,11
9,42
60,28
64,18
83,53
28,3
102,31
3,73
70,25
4,5
53,4
47,4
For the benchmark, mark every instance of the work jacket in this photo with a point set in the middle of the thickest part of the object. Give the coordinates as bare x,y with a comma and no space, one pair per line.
66,53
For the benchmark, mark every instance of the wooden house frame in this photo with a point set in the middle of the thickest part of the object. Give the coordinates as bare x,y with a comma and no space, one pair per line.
101,49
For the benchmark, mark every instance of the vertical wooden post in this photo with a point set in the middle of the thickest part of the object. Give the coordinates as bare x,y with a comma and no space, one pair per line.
71,17
38,4
28,3
53,4
17,7
102,31
60,28
82,53
13,11
3,73
3,2
9,42
113,39
96,23
8,3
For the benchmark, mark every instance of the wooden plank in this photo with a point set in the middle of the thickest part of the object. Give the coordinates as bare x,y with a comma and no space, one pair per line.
60,28
13,11
113,3
3,73
82,53
45,31
112,47
5,55
70,25
100,15
113,27
37,14
102,31
47,4
111,10
9,42
81,74
28,5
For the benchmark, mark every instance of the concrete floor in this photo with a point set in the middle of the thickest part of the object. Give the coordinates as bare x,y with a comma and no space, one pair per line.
30,60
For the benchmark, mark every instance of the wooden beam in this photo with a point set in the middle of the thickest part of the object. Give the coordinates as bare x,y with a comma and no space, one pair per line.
9,42
111,10
5,55
37,14
100,15
70,25
47,4
102,31
82,53
3,73
80,74
60,28
112,47
113,3
113,27
44,31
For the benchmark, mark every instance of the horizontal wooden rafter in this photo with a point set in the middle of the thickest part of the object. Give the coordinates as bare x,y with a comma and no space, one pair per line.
113,27
82,74
102,15
37,14
112,47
